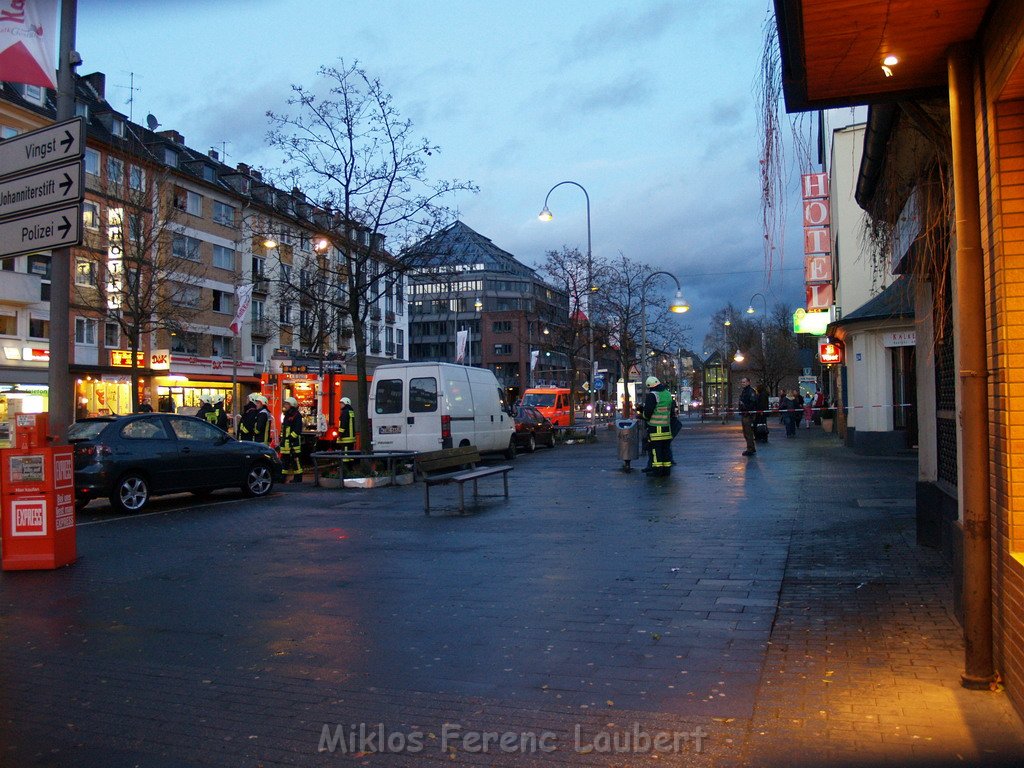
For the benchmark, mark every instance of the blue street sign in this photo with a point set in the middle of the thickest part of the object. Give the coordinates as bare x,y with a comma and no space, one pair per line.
598,383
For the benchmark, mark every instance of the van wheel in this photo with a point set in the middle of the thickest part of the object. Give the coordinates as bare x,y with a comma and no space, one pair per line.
531,444
510,452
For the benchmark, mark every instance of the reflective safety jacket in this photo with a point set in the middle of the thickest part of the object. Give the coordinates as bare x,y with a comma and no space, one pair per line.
247,424
218,417
347,426
261,429
291,432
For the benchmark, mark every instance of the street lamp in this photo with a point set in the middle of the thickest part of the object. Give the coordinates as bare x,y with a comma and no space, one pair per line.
546,215
477,306
678,306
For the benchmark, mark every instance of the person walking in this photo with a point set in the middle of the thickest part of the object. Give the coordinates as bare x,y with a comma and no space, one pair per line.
787,404
347,426
748,411
291,440
809,402
798,409
659,409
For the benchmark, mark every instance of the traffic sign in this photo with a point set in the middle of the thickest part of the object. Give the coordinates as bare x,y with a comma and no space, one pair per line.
58,228
37,149
598,383
41,189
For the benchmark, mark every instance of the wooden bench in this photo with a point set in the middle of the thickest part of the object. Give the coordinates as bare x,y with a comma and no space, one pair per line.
435,468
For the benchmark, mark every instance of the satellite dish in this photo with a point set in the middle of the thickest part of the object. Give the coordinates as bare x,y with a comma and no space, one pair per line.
152,122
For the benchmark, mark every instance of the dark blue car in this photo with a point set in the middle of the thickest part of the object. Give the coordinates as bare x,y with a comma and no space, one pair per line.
129,459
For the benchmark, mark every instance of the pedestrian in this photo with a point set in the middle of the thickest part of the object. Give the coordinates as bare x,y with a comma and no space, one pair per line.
748,410
761,419
788,407
217,415
291,440
659,411
819,406
205,408
798,409
347,426
808,410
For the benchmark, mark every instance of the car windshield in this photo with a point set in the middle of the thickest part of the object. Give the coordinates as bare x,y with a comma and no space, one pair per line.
86,430
539,400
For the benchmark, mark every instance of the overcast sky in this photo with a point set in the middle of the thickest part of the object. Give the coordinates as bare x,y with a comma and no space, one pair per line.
651,105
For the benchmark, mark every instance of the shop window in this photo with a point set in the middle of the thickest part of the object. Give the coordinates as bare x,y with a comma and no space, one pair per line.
8,323
85,331
39,328
389,396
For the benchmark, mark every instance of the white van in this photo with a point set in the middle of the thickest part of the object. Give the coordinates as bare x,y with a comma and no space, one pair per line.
429,406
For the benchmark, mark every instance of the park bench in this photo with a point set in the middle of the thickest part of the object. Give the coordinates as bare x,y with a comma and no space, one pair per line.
455,465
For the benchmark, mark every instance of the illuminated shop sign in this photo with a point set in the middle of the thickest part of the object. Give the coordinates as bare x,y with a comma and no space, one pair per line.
830,353
115,259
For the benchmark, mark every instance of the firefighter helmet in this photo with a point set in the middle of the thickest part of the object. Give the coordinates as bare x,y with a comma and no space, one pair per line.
291,401
652,381
346,401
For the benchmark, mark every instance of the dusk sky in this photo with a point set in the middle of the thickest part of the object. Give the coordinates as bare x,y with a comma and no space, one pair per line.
650,105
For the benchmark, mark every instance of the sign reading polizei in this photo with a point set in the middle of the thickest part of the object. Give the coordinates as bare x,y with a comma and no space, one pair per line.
41,188
58,228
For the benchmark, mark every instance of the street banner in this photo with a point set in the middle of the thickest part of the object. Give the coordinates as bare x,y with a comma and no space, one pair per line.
244,300
461,338
28,42
534,356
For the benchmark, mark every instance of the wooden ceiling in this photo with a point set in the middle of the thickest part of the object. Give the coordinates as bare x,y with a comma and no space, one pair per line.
832,50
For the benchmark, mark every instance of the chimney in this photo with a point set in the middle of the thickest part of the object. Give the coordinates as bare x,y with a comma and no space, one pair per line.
98,82
214,155
243,169
174,136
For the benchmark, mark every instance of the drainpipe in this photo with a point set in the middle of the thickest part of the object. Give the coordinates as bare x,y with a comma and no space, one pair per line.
979,670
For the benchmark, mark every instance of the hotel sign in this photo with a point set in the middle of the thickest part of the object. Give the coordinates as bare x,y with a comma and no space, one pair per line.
817,241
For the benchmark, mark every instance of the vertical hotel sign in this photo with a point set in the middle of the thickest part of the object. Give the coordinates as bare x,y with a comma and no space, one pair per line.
817,242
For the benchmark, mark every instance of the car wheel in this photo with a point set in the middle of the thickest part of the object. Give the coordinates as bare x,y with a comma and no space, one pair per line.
131,493
531,444
259,480
551,439
81,503
510,453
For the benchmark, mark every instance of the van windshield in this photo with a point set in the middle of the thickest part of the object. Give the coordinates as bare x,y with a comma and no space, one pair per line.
539,399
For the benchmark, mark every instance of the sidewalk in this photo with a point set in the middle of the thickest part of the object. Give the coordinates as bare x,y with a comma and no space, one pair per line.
772,610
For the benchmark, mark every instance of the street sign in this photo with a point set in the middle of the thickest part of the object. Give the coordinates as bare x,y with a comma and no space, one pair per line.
58,228
41,189
598,383
37,149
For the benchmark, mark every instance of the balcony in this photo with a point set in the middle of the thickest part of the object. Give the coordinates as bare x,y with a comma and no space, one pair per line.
389,317
375,313
260,284
261,327
20,289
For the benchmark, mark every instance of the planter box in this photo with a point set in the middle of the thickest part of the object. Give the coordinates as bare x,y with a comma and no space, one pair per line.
826,424
330,482
404,478
367,482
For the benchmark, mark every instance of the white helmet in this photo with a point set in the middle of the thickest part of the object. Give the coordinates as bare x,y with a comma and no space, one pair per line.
206,399
346,401
258,398
292,402
652,381
254,397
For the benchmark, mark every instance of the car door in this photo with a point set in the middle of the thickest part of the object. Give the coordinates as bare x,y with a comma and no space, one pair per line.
145,444
206,459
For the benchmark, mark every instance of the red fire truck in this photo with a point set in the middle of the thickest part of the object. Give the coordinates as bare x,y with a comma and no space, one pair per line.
319,397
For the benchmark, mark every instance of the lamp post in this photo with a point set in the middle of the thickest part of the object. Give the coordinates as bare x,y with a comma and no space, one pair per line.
764,318
546,215
678,306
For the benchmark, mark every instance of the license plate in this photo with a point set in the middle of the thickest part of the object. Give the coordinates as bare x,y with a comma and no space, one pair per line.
395,429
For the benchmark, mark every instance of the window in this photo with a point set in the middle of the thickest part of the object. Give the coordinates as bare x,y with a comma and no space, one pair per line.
185,247
503,349
85,331
222,302
187,296
209,173
389,396
8,322
502,326
91,214
136,178
185,343
111,335
117,127
257,353
196,431
85,271
223,258
285,314
92,162
9,265
170,157
222,346
38,327
34,93
258,268
423,395
146,429
286,273
257,309
115,170
223,213
188,201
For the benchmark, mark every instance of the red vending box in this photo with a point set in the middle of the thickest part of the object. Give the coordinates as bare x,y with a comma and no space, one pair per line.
37,490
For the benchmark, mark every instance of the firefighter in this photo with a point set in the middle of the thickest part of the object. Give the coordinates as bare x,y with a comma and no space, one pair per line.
205,408
291,440
347,426
217,415
247,421
256,423
659,408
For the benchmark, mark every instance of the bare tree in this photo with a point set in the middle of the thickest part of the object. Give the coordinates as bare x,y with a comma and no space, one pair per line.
768,344
149,278
358,159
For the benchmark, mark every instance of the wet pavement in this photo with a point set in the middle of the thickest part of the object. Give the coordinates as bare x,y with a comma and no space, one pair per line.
764,611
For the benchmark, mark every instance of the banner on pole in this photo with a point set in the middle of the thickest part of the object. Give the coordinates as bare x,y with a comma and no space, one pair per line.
244,300
28,42
461,338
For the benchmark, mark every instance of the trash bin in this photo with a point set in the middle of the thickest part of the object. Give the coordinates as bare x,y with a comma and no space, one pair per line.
629,440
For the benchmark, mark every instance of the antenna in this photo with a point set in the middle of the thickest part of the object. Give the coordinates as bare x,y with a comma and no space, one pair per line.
131,95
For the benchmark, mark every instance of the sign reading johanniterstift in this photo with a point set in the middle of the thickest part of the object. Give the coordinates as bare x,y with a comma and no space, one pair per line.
39,172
